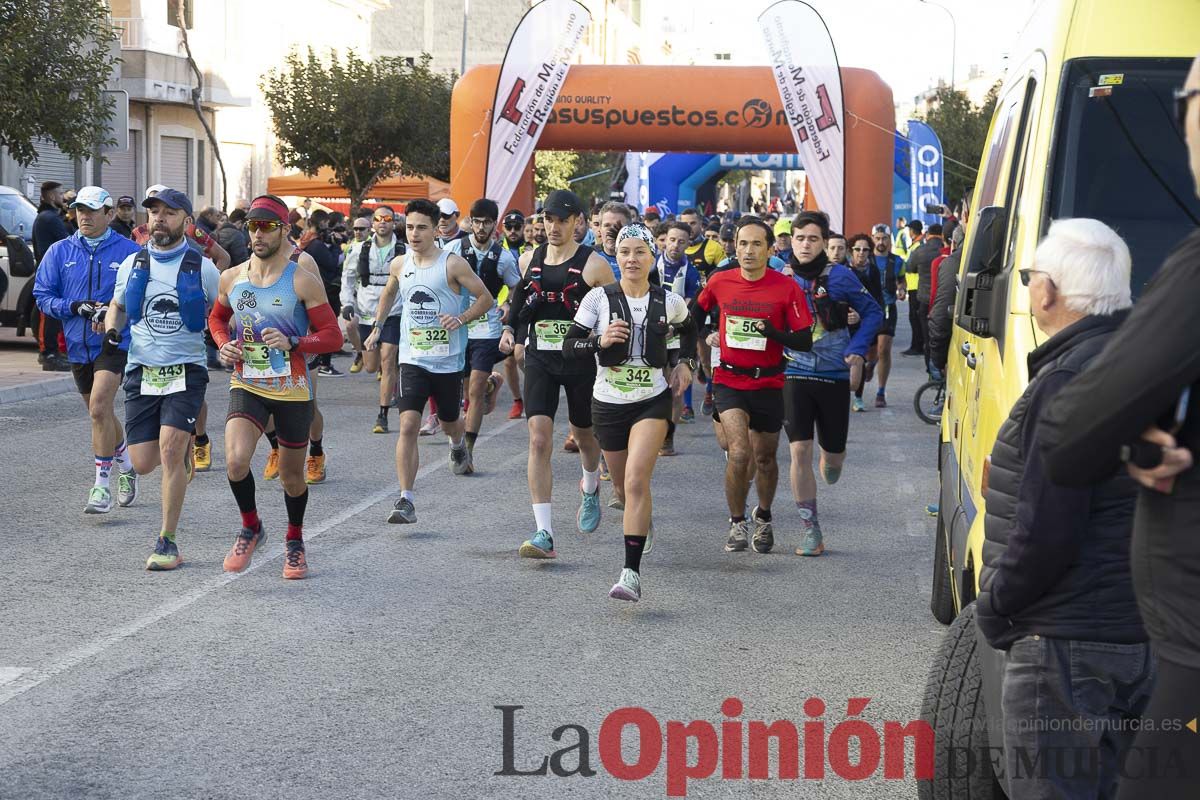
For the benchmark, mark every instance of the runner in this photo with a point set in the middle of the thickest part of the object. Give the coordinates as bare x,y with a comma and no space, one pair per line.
517,231
760,311
867,272
447,223
555,278
496,267
272,303
819,381
431,284
891,268
704,253
363,277
675,271
166,289
627,326
362,230
74,283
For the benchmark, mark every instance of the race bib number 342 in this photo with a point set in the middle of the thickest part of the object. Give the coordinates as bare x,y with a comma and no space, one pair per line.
159,381
633,383
741,333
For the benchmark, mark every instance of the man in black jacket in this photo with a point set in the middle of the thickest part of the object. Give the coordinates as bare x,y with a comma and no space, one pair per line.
920,262
49,227
1055,588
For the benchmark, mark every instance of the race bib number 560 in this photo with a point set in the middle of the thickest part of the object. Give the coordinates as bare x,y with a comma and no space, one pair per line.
741,333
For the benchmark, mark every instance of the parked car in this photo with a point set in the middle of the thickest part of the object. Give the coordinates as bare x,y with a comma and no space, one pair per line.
16,261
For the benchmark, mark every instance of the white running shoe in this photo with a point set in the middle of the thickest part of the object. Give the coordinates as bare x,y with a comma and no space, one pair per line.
628,587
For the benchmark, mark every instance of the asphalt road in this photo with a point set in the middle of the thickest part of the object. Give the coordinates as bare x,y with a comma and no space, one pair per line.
379,676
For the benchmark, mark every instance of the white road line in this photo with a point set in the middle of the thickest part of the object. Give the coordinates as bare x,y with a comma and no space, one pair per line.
27,679
10,674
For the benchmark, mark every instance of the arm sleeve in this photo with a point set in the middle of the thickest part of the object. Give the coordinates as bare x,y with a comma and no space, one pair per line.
580,341
516,300
218,323
326,336
47,286
1136,378
1051,521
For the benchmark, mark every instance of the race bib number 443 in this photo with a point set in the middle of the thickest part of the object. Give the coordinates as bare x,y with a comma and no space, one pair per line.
741,333
164,380
429,341
550,333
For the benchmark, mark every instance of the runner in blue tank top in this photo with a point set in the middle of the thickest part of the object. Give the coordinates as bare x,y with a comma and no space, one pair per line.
434,286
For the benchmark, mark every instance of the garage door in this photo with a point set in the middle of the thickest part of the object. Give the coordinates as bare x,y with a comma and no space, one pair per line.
176,161
120,175
52,165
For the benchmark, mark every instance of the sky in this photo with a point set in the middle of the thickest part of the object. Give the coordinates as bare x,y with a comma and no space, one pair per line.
906,41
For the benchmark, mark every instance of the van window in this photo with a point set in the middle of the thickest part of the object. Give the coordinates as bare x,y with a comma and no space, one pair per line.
17,215
1120,157
997,150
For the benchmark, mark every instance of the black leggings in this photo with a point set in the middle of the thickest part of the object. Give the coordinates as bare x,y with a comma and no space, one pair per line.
1164,761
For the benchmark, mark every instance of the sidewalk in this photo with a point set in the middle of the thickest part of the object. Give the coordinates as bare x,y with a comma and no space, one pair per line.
21,377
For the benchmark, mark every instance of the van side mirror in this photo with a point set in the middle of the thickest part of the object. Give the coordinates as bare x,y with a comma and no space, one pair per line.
984,260
20,257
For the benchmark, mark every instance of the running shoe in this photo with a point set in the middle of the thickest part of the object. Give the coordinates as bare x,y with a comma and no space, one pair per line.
126,488
706,408
570,445
540,546
649,540
932,509
295,565
461,462
202,455
356,367
617,503
605,475
494,382
881,400
271,471
165,556
764,534
668,447
628,587
99,501
381,425
432,425
314,469
330,371
247,541
189,461
518,409
857,404
830,475
687,417
403,513
379,375
739,533
588,518
812,544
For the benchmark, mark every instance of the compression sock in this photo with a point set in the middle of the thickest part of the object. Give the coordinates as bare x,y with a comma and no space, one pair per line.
591,481
383,411
103,470
808,511
121,457
687,397
634,545
272,440
243,493
471,437
542,517
295,511
315,448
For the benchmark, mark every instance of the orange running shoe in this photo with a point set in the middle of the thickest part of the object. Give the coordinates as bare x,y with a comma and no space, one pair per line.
295,565
314,469
239,557
518,409
271,471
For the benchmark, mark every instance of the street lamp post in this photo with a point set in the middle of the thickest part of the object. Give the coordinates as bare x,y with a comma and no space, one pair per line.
466,12
953,36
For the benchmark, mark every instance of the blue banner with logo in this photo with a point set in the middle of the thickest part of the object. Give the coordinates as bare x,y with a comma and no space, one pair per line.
925,171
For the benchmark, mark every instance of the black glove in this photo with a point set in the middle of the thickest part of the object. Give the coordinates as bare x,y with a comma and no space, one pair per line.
112,342
347,312
83,308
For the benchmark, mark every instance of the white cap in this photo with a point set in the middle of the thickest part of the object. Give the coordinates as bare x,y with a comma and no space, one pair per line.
93,197
447,206
157,188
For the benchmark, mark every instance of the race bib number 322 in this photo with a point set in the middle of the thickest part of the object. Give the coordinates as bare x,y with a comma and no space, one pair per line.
429,341
164,380
741,333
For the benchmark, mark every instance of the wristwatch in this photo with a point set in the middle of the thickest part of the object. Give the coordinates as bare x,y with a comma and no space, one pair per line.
293,342
692,364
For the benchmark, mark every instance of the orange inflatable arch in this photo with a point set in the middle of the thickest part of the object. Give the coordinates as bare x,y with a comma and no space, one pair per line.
679,109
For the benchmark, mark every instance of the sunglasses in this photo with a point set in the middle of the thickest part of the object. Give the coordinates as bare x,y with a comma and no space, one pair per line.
513,226
266,226
361,228
1027,275
1182,97
448,216
383,218
861,249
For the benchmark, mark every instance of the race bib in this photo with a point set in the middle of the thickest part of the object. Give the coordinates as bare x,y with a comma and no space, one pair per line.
260,361
632,383
673,342
480,325
164,380
740,333
429,341
550,333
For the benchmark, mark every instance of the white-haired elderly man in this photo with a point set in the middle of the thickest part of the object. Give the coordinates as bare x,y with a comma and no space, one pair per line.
1055,588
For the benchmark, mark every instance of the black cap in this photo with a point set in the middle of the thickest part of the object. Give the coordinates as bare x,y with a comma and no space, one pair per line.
563,203
728,231
514,218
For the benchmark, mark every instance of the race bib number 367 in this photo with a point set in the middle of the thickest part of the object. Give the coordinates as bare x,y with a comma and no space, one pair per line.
164,380
550,333
741,334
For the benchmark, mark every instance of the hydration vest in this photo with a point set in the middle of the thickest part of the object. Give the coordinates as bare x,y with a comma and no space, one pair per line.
697,258
889,276
830,313
489,269
679,282
574,286
654,346
364,259
188,285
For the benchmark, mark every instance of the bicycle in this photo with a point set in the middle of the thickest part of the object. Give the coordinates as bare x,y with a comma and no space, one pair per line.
929,401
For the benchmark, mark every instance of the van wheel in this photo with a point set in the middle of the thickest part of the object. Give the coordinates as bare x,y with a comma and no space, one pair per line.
941,598
953,707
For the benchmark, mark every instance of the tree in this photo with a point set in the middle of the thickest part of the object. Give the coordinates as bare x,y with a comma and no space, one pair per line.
552,169
561,169
365,120
55,57
962,127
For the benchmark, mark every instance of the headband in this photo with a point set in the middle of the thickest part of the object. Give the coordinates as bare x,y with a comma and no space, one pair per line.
636,231
272,206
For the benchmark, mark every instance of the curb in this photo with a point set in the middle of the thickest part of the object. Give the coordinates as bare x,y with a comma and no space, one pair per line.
36,390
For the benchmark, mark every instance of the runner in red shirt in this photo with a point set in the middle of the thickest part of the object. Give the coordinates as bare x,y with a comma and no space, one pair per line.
761,312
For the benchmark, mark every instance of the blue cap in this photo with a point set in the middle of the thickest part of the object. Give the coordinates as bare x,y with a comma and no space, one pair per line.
173,198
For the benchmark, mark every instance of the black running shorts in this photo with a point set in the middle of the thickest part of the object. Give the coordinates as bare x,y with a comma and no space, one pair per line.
823,405
541,394
417,385
293,418
614,421
763,406
85,374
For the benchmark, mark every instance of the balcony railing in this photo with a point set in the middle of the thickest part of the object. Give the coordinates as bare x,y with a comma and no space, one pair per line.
138,34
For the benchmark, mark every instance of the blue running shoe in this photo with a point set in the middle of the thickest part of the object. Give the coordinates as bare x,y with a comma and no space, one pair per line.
588,518
540,546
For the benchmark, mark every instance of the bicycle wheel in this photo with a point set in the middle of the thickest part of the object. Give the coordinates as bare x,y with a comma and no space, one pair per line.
928,401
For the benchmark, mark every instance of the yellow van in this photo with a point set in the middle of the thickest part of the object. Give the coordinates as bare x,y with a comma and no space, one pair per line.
1084,127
